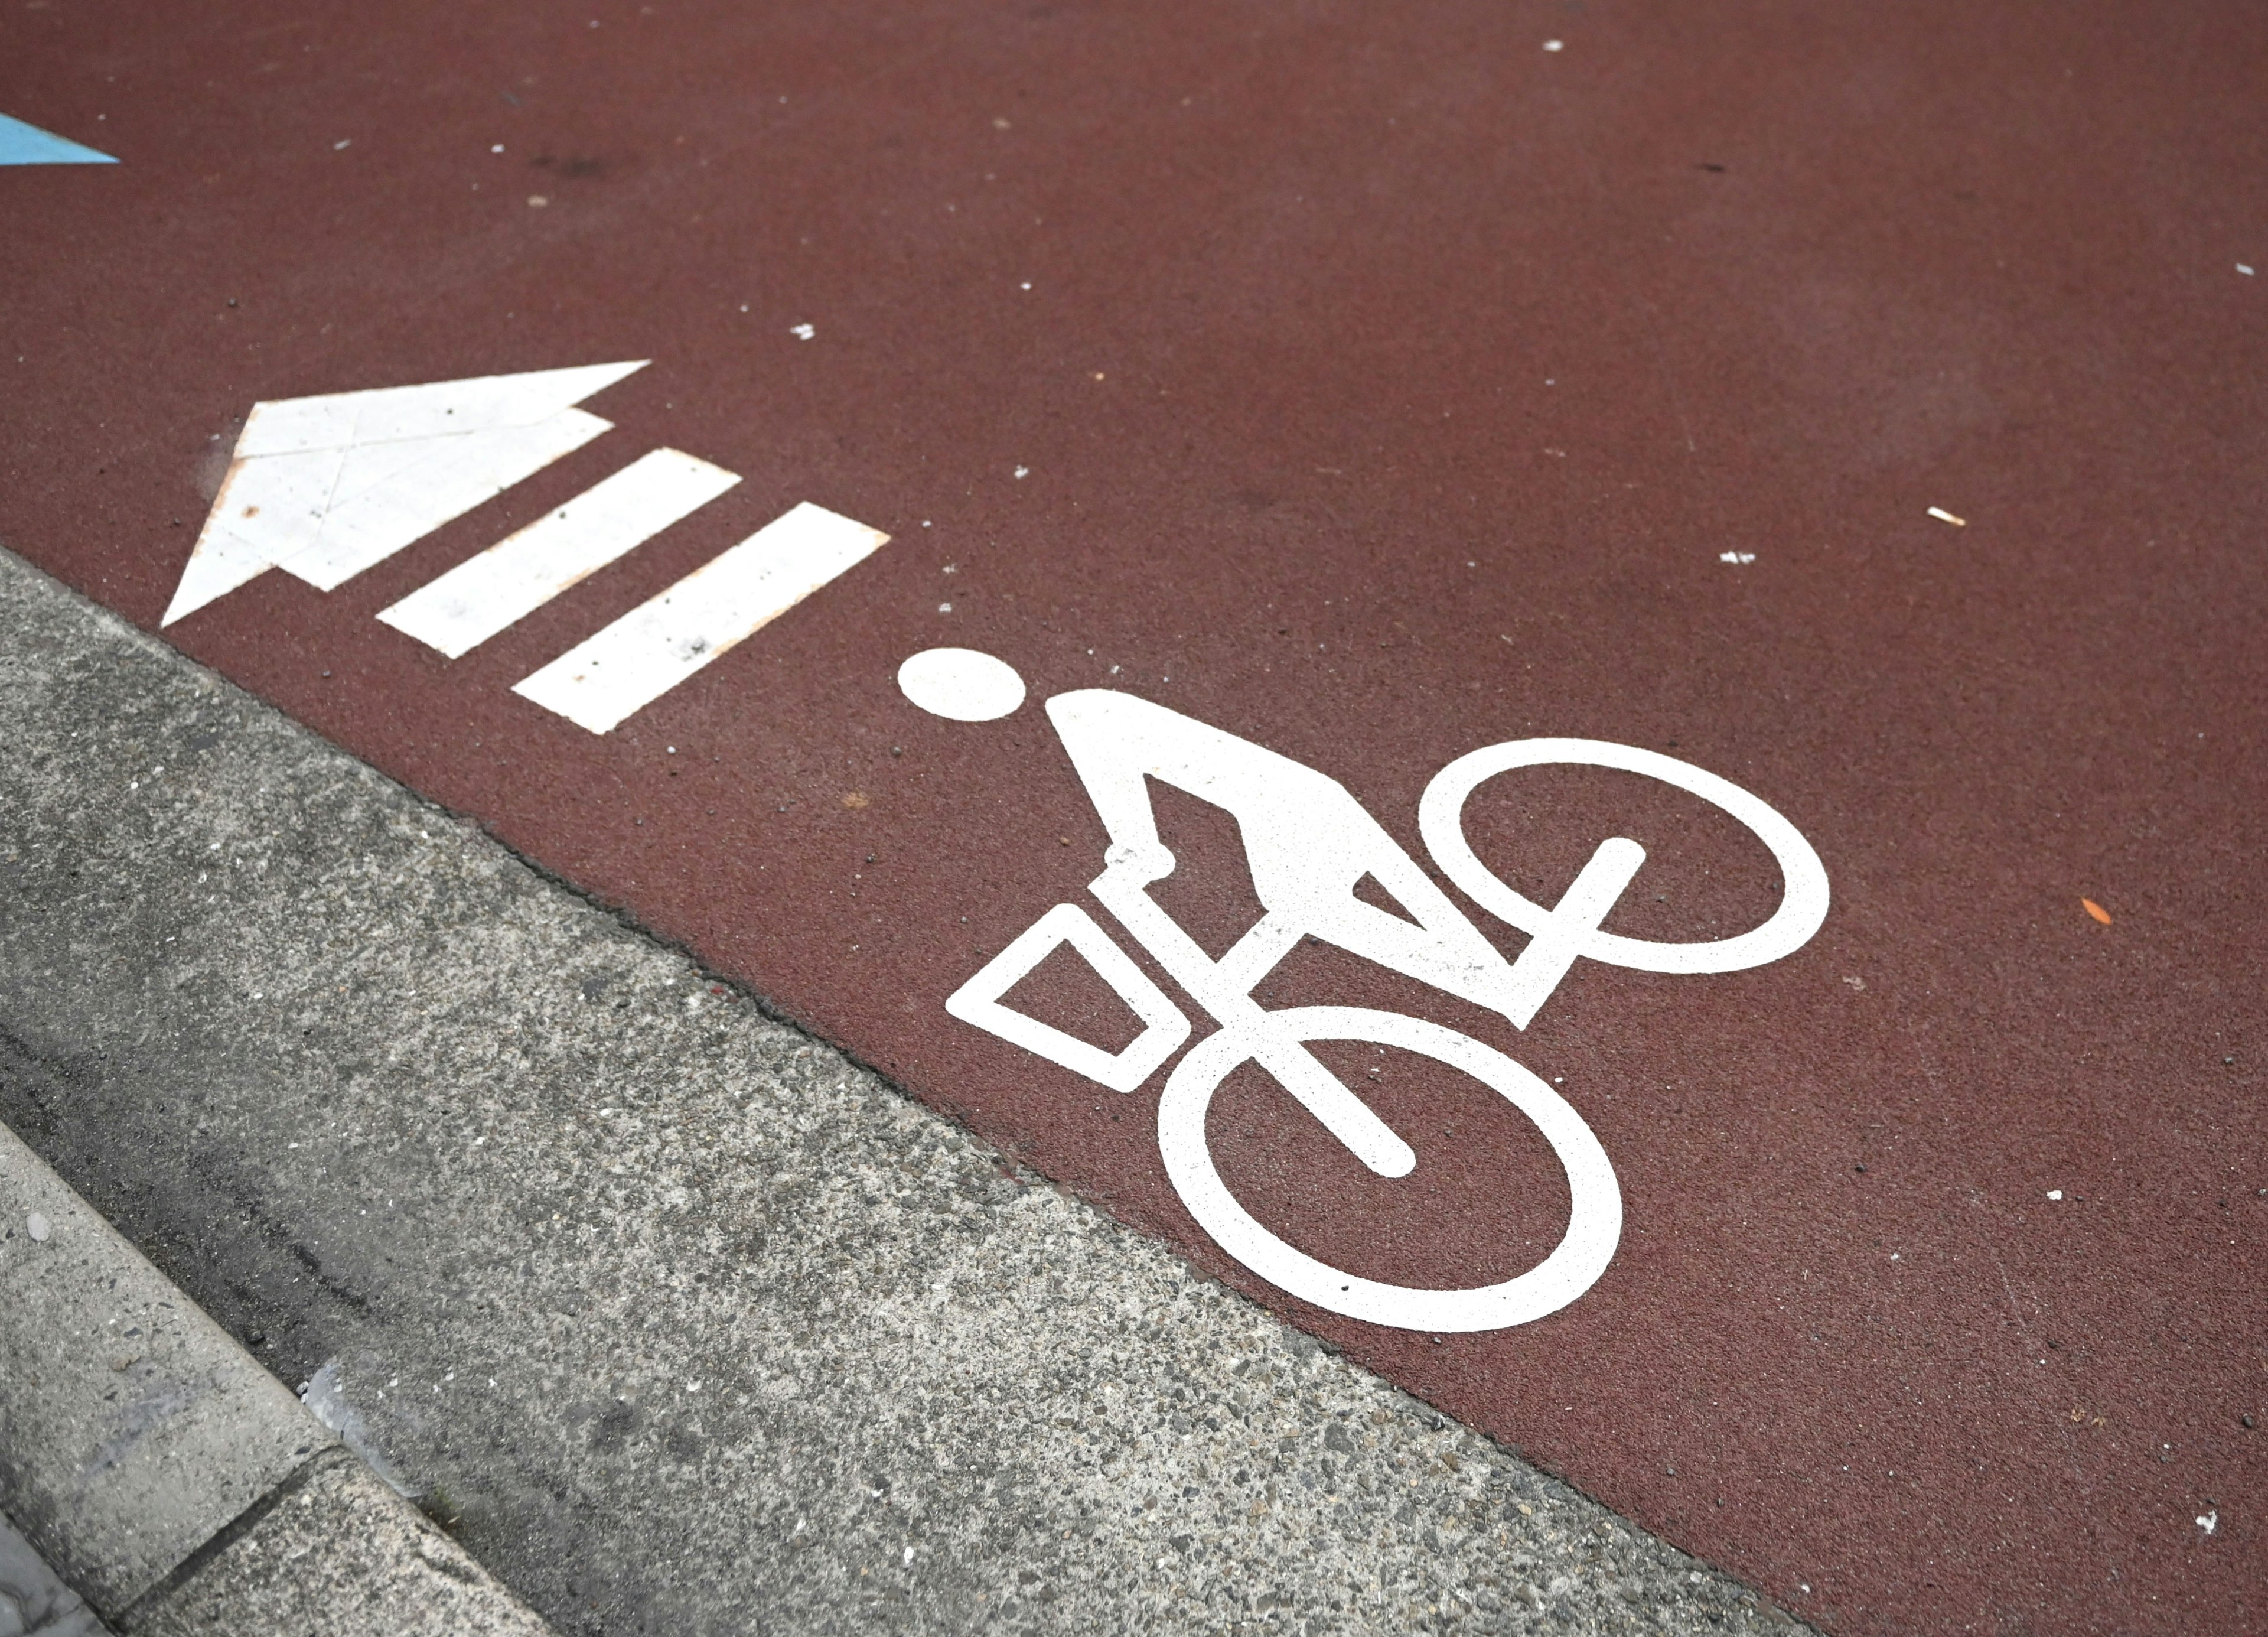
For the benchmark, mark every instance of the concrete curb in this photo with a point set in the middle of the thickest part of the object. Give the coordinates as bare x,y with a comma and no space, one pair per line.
166,1479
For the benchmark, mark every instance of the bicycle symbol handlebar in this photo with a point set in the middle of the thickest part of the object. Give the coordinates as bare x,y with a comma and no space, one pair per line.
1310,842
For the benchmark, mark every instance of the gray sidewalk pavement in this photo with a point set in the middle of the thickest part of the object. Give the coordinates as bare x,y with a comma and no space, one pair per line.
678,1319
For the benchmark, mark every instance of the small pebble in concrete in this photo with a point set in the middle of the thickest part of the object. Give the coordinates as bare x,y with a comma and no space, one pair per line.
38,1226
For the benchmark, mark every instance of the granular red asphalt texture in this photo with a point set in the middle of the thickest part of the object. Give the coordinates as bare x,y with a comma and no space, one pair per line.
1388,385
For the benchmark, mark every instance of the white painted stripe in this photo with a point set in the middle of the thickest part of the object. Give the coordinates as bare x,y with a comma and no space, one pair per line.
518,575
658,644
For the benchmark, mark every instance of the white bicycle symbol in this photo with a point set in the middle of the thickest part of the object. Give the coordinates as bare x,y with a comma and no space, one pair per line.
1309,843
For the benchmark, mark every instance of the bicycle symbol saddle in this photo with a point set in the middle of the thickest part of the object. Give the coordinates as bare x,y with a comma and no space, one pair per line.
1310,843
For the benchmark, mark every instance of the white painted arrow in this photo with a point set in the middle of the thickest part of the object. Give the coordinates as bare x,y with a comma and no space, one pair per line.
325,487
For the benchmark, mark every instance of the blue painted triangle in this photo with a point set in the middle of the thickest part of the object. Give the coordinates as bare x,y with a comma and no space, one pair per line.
29,144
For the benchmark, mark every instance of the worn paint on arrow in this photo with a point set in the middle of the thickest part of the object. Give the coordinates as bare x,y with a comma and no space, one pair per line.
327,487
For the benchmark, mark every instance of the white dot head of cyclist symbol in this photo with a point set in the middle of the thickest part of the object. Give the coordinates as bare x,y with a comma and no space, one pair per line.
962,685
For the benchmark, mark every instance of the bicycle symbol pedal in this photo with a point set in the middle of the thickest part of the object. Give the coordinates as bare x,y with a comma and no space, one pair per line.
1309,843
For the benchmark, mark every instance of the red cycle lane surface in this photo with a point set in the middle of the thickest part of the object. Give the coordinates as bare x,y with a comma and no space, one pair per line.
1376,385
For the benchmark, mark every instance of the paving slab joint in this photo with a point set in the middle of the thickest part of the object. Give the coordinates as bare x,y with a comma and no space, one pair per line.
152,1467
235,1529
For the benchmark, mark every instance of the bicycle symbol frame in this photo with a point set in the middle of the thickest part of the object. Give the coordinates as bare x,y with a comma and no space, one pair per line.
1309,843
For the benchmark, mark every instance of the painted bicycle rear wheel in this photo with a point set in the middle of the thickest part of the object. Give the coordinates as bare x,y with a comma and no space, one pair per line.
1594,1222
